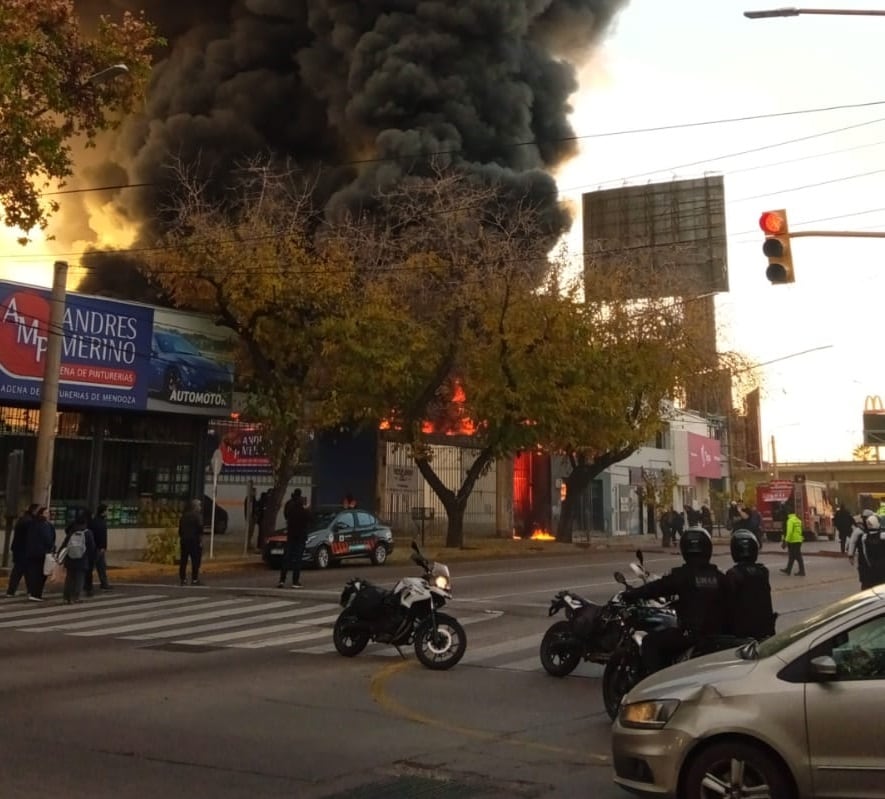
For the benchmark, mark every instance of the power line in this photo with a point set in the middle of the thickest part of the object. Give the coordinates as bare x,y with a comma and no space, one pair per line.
575,138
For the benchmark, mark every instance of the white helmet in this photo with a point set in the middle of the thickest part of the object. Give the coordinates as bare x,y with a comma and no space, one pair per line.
872,522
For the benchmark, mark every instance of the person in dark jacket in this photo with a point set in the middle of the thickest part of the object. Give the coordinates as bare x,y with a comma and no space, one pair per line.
19,549
750,611
843,521
99,527
698,588
190,534
40,543
297,524
76,567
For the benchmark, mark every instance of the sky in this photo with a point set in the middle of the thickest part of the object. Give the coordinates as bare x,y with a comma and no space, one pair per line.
688,61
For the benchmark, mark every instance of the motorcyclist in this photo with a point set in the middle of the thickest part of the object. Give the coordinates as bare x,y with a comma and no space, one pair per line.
750,613
698,588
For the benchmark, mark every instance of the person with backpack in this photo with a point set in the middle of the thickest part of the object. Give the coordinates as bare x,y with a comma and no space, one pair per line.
77,553
867,545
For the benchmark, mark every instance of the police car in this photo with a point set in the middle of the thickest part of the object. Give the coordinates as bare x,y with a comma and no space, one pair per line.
336,534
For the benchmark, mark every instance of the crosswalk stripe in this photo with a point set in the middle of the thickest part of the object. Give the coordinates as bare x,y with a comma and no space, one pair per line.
213,611
145,611
237,636
41,611
482,653
261,643
231,623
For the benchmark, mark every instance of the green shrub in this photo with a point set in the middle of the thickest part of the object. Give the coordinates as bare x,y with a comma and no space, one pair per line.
162,547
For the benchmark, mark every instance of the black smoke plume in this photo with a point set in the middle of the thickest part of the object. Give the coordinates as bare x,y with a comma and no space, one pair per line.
367,90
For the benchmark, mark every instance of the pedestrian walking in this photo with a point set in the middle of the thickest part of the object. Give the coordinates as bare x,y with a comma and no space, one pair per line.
40,543
99,563
190,535
792,542
19,549
77,553
297,524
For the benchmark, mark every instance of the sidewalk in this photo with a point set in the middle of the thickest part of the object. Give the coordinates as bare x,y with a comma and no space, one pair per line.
127,566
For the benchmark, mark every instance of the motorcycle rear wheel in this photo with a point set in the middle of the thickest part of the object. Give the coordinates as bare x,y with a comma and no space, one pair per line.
622,672
443,648
348,637
558,657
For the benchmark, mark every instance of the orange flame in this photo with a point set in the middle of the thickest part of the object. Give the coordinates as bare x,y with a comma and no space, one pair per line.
538,534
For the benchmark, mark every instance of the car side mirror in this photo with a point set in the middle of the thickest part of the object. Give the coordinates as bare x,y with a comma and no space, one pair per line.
619,577
824,667
337,527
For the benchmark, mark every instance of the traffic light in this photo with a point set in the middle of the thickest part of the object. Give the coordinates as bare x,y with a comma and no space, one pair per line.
777,247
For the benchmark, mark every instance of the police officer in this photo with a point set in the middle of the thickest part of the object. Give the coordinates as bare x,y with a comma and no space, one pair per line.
867,544
700,601
750,613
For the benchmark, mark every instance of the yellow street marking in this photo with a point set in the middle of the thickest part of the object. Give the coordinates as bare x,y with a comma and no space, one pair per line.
384,700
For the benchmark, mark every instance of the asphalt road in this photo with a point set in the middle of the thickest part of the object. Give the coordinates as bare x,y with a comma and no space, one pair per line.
233,690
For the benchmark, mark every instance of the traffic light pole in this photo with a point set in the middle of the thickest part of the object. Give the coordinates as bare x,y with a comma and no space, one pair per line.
842,234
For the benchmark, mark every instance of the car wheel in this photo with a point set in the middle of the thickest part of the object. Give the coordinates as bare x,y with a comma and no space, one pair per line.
379,554
322,558
736,768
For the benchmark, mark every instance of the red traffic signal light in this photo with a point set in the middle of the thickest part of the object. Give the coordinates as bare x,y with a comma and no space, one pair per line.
773,223
776,247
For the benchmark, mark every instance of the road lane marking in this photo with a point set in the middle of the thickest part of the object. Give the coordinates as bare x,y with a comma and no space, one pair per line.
231,623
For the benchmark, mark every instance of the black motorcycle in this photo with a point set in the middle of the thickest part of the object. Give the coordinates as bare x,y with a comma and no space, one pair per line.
625,668
409,614
593,632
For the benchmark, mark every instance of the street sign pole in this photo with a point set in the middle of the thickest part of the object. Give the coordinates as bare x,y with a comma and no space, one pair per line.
216,469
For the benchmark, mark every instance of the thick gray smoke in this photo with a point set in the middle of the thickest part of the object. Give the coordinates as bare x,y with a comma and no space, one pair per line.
367,89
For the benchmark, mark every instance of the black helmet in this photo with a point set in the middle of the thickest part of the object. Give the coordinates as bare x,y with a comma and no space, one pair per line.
696,545
744,547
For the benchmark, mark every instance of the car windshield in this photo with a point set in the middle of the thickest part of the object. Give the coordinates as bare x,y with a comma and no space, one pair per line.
168,342
809,624
321,520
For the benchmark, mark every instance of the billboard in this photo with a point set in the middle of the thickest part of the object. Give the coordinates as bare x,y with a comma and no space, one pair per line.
661,239
241,445
119,355
873,421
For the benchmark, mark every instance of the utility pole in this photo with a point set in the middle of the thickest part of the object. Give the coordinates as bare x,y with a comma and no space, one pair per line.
49,395
55,335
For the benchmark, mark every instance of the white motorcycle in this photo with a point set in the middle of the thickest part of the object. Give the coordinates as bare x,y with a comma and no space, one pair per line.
406,615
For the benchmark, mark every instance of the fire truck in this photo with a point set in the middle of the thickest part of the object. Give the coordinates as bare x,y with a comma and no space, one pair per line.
807,498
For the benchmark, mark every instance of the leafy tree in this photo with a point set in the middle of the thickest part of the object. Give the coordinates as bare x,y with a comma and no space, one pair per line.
49,94
460,316
256,265
865,453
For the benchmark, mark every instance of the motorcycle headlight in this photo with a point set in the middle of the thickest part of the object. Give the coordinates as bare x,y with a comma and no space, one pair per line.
648,715
441,581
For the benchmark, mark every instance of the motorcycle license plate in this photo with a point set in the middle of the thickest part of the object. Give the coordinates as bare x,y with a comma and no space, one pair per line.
276,551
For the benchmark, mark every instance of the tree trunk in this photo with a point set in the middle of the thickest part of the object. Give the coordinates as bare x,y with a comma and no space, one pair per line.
576,484
275,499
454,502
584,470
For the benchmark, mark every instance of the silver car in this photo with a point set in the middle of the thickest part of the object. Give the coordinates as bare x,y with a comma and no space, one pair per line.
798,716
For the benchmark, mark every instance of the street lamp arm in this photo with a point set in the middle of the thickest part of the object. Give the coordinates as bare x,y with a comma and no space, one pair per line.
795,12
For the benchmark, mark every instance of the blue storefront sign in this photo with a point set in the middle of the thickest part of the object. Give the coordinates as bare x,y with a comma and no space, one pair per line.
114,354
